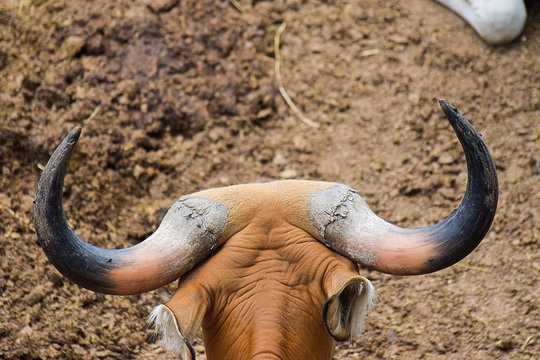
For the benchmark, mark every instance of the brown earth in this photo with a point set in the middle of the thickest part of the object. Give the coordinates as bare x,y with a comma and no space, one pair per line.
177,96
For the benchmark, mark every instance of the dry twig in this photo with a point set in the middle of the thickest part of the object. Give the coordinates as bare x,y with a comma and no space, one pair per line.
92,115
238,6
279,80
471,267
529,340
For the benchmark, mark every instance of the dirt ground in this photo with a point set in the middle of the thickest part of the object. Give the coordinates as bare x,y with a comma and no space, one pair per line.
177,96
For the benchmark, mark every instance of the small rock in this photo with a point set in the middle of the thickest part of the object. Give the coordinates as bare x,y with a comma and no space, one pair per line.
279,159
95,45
301,144
399,39
288,174
130,88
26,331
71,47
138,171
127,90
446,159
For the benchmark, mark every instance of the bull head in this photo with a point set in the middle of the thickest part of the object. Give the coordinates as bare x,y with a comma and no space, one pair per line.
259,263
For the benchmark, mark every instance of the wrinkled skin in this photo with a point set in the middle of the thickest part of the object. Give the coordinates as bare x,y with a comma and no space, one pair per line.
267,285
269,282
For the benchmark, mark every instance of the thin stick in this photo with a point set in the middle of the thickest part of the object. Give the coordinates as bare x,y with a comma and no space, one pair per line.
238,6
279,80
44,5
19,11
471,267
527,342
92,115
369,52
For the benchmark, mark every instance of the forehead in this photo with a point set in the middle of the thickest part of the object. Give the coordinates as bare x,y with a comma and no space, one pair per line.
270,249
288,199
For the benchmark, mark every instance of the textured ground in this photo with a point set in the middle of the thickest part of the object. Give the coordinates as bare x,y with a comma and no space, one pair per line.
177,96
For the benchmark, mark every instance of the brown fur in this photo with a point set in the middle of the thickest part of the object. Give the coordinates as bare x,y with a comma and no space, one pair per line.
265,286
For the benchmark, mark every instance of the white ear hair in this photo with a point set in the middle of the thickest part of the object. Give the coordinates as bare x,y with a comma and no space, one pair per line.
361,307
344,313
163,321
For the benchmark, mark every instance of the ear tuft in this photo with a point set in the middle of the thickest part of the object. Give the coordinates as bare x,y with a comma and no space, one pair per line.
345,311
365,299
163,321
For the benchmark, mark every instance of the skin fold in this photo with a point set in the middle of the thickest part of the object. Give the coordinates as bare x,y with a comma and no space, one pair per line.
267,282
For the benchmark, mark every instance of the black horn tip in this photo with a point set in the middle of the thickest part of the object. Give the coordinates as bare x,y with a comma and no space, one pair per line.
464,130
74,134
444,103
448,109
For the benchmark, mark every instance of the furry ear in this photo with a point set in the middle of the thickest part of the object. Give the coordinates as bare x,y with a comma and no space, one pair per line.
345,310
180,320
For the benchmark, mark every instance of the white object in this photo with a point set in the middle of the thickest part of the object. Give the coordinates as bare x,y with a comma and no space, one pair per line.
496,21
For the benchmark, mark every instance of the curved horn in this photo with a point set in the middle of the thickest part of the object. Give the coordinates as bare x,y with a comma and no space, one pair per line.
347,225
188,233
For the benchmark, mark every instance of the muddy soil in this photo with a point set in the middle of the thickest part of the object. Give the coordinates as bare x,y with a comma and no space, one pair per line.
177,96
